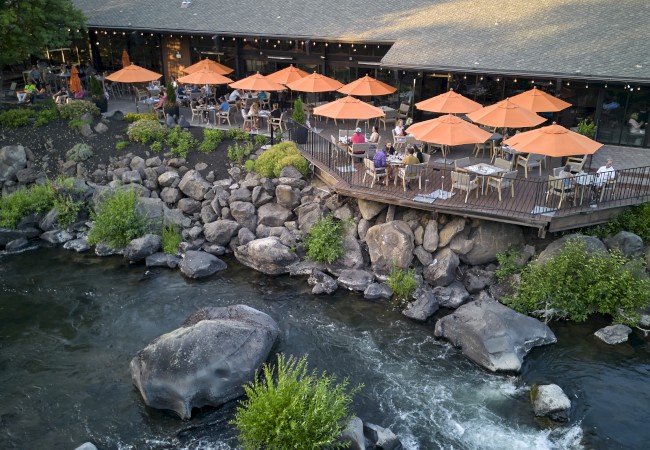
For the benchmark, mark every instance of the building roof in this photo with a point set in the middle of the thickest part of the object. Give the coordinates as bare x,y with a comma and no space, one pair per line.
583,39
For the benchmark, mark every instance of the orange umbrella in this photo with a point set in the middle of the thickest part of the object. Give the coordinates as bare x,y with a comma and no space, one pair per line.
450,103
553,140
448,130
212,65
348,108
539,101
75,82
133,74
257,82
126,62
205,76
367,86
287,75
506,114
315,83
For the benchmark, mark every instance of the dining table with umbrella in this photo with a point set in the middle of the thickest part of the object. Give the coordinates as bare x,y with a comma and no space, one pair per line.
133,74
204,76
367,86
315,83
212,66
449,103
537,100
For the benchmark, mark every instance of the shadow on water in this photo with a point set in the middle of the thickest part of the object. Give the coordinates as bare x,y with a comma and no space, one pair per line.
69,325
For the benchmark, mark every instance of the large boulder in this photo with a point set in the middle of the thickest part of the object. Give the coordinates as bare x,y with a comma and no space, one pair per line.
207,361
493,335
321,283
390,245
451,296
273,215
352,257
491,238
550,400
475,279
369,209
381,438
309,214
12,159
423,306
197,264
592,245
153,211
221,231
194,185
287,196
353,434
442,271
56,237
629,244
355,280
138,249
267,255
451,229
613,334
244,214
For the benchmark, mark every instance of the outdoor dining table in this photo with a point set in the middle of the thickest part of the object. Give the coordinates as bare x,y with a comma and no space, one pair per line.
585,183
484,170
207,110
150,102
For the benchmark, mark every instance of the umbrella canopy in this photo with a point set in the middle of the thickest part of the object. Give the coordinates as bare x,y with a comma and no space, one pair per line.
75,82
449,103
133,74
205,76
126,62
539,101
367,86
257,82
315,83
348,108
287,75
506,114
448,130
212,65
553,140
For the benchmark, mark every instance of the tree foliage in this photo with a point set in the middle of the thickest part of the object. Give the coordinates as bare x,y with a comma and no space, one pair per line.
28,26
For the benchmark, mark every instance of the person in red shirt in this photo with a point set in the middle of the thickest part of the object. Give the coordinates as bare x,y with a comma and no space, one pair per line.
358,137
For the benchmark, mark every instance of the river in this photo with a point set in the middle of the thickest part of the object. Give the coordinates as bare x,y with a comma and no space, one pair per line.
70,324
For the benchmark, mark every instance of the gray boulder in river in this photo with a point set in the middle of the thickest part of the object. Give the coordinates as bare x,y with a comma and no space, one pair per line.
493,335
206,361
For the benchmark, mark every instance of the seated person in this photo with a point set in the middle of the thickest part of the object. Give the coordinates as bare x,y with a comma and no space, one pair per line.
61,96
357,137
254,111
418,153
38,94
389,149
567,177
410,158
635,126
261,95
234,95
195,89
399,128
160,103
224,106
374,137
275,111
605,173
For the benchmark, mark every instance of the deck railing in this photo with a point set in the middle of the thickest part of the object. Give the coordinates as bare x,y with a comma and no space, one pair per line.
534,198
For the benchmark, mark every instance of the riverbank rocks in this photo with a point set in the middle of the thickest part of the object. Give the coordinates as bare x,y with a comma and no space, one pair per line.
378,291
592,245
493,335
12,159
390,245
369,209
206,361
442,271
629,244
423,306
267,255
550,400
489,239
138,249
451,296
197,264
321,283
194,185
353,434
613,334
355,280
381,438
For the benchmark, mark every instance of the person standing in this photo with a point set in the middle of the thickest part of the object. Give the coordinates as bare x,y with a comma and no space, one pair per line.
635,125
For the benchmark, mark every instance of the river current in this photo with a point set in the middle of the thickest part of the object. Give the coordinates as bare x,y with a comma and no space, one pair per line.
70,324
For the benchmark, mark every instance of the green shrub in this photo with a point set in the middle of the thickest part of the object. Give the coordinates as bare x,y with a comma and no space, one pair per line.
402,282
171,238
237,134
635,219
79,152
180,142
77,108
67,209
294,410
15,118
260,139
117,221
19,204
507,263
239,151
249,165
325,240
121,145
46,115
156,146
134,117
77,124
271,161
211,140
575,284
298,112
146,131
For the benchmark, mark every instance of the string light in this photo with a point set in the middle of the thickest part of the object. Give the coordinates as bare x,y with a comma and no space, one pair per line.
515,80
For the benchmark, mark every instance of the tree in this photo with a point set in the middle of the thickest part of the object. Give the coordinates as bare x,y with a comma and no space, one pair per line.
28,26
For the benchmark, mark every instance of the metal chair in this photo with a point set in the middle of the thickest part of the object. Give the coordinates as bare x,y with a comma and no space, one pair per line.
390,116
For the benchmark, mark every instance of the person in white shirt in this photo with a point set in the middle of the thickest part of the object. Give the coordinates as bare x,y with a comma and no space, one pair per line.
635,126
234,95
605,173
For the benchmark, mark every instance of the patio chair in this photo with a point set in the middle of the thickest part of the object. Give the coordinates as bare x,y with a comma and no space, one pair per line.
377,174
224,117
339,148
503,164
358,151
426,158
248,120
556,187
531,161
606,189
410,172
391,116
398,141
463,182
277,124
11,92
140,94
403,111
576,163
461,163
196,113
505,181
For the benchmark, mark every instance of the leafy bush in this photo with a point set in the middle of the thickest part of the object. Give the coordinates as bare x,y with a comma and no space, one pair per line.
325,240
507,263
180,142
80,152
117,221
239,151
260,139
575,284
587,127
402,282
19,204
77,108
635,220
237,134
171,238
211,140
146,131
295,410
121,145
156,146
77,124
298,112
134,117
249,165
15,118
45,115
271,161
171,95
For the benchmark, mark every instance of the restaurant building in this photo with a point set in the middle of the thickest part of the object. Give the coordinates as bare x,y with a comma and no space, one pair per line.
589,53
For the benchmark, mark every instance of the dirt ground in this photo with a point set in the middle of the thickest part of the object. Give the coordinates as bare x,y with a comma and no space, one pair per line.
63,138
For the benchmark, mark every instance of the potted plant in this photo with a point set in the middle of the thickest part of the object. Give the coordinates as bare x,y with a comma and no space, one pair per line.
299,128
97,94
587,127
171,107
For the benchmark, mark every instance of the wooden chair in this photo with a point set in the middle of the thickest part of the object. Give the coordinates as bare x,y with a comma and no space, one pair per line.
606,188
248,120
503,164
196,113
398,141
377,174
463,182
358,151
140,94
505,181
339,148
531,161
403,111
461,163
277,124
556,187
409,172
576,163
426,158
390,116
160,113
223,117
